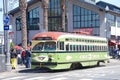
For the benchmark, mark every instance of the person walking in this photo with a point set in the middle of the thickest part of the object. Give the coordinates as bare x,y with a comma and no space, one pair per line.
23,56
116,52
119,54
28,58
13,58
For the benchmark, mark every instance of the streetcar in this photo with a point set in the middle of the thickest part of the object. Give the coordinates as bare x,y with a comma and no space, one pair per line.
60,50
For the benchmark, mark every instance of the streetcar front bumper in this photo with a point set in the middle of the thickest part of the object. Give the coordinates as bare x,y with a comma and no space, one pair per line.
43,64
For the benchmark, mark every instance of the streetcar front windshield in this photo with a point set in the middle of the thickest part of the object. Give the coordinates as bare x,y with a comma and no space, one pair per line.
38,47
50,46
45,46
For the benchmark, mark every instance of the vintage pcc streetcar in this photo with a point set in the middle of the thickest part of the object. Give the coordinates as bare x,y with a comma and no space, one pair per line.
59,50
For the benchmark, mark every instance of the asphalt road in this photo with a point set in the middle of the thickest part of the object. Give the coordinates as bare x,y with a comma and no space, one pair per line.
109,71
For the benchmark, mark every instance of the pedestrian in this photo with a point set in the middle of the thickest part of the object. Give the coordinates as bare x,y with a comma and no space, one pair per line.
116,52
13,58
28,58
119,54
19,60
23,56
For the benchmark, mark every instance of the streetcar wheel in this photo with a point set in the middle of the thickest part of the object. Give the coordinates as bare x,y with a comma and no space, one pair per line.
98,63
72,67
75,66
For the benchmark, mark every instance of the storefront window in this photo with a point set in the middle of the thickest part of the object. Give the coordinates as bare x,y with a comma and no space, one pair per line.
33,19
85,19
118,21
54,15
18,23
111,19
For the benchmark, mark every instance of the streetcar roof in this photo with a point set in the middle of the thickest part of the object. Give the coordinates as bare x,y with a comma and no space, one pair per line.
58,35
53,35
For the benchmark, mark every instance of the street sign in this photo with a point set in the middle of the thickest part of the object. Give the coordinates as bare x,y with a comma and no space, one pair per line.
6,27
6,21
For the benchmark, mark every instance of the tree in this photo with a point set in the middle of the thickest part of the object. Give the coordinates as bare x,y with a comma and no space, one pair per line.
23,8
63,6
45,14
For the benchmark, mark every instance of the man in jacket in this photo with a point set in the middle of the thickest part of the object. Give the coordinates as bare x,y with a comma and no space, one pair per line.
28,58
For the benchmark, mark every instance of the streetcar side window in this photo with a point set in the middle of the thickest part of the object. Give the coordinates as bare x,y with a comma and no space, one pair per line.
74,47
61,45
67,47
70,47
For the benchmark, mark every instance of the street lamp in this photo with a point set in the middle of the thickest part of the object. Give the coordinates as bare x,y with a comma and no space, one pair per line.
106,21
106,26
116,37
6,35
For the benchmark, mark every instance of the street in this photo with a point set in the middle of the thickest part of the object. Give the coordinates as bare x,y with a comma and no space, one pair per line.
109,71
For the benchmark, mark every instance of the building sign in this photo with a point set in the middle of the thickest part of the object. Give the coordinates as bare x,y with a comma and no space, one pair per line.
87,31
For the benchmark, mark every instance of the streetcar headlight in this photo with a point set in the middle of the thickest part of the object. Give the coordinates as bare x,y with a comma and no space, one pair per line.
50,57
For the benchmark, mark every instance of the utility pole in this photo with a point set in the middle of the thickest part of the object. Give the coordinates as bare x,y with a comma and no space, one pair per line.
106,26
6,35
116,36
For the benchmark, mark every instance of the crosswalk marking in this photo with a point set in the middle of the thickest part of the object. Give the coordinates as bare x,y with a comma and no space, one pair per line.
59,78
14,78
86,79
35,78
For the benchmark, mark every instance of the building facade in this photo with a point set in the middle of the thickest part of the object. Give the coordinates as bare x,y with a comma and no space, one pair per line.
80,15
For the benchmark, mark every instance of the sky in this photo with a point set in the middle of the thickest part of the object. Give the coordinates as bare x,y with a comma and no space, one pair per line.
114,2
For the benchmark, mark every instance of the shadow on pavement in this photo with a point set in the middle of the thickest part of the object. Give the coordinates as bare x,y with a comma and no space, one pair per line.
33,71
46,70
40,70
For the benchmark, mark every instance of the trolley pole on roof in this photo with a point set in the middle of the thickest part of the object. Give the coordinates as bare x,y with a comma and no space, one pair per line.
6,35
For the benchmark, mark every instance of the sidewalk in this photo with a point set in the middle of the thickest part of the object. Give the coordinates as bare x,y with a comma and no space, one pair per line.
17,70
114,60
